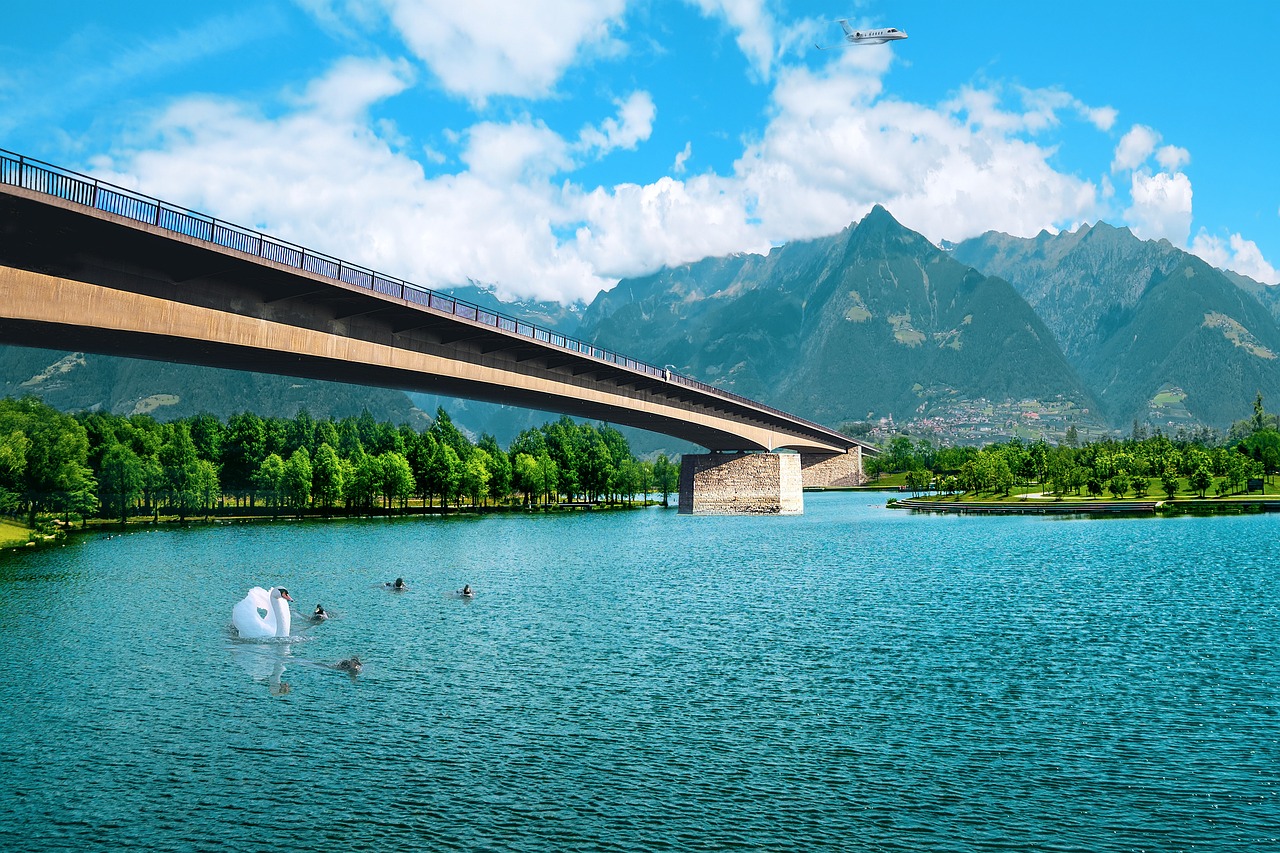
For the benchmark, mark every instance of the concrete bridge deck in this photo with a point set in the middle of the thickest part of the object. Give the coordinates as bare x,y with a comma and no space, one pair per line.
89,266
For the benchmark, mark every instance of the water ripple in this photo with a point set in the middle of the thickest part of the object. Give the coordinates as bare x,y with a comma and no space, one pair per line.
851,679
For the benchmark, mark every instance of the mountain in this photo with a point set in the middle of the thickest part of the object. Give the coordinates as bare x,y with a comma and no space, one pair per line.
1155,332
875,320
83,381
1080,283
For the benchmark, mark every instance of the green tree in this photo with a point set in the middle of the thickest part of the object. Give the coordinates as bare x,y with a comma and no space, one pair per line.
548,476
396,478
208,489
120,479
1140,486
295,480
244,446
445,472
500,469
525,476
269,478
475,476
179,458
365,480
327,479
1201,478
666,477
1118,485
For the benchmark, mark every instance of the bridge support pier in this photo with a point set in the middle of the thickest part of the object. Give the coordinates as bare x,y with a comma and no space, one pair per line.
832,470
741,484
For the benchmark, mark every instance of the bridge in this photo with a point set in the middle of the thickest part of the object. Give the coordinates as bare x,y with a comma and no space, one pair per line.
89,266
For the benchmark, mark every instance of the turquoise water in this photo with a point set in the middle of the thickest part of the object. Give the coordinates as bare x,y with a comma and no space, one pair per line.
852,679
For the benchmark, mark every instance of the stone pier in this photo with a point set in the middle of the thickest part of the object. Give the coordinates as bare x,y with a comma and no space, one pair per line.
832,470
741,484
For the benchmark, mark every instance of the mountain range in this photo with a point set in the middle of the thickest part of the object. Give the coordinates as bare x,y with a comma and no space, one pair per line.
1152,330
1095,325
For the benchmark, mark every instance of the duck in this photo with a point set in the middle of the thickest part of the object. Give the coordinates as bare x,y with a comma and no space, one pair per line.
248,616
351,665
320,615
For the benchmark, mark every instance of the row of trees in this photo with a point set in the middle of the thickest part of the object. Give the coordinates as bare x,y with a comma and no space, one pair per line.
90,462
1136,466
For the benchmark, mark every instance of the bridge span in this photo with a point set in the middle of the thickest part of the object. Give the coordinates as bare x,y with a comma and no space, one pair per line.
89,266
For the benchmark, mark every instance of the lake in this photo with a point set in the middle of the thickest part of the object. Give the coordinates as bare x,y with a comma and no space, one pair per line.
854,678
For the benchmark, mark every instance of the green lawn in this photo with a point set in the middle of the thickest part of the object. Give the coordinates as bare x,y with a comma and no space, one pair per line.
12,533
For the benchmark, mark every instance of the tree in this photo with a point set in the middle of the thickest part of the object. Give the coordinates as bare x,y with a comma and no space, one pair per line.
445,472
666,477
269,477
1118,485
1169,482
525,476
500,469
364,480
548,476
444,432
396,478
1201,478
208,489
244,446
178,457
120,479
327,479
295,480
1094,485
475,476
77,490
597,466
13,467
1140,486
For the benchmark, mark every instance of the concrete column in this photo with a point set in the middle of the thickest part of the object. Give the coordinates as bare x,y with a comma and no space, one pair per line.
832,470
741,484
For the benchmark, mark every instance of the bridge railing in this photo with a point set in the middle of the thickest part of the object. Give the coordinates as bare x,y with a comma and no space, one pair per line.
38,176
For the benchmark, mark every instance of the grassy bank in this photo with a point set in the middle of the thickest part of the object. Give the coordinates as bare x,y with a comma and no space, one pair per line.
13,534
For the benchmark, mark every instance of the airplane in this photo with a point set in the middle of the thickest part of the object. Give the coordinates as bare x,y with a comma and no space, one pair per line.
852,36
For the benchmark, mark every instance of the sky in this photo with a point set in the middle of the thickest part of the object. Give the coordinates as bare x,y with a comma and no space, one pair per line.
548,148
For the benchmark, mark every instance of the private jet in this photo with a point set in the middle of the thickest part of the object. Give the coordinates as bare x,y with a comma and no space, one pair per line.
852,36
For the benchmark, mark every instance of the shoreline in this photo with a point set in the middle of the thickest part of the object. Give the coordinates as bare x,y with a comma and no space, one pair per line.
1134,507
62,533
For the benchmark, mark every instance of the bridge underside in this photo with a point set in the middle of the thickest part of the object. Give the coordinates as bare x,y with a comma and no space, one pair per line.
86,280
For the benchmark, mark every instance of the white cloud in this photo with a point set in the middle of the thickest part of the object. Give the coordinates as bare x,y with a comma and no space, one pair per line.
1103,118
632,126
345,93
1171,158
328,174
1134,148
501,154
754,25
1237,254
329,181
504,47
1161,206
681,158
834,149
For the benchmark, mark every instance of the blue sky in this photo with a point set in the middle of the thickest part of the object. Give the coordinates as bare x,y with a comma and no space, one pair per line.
549,148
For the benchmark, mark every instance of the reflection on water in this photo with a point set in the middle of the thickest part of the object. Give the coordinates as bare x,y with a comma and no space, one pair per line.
852,678
265,662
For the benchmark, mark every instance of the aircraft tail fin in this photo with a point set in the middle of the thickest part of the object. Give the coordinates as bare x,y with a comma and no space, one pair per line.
844,25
